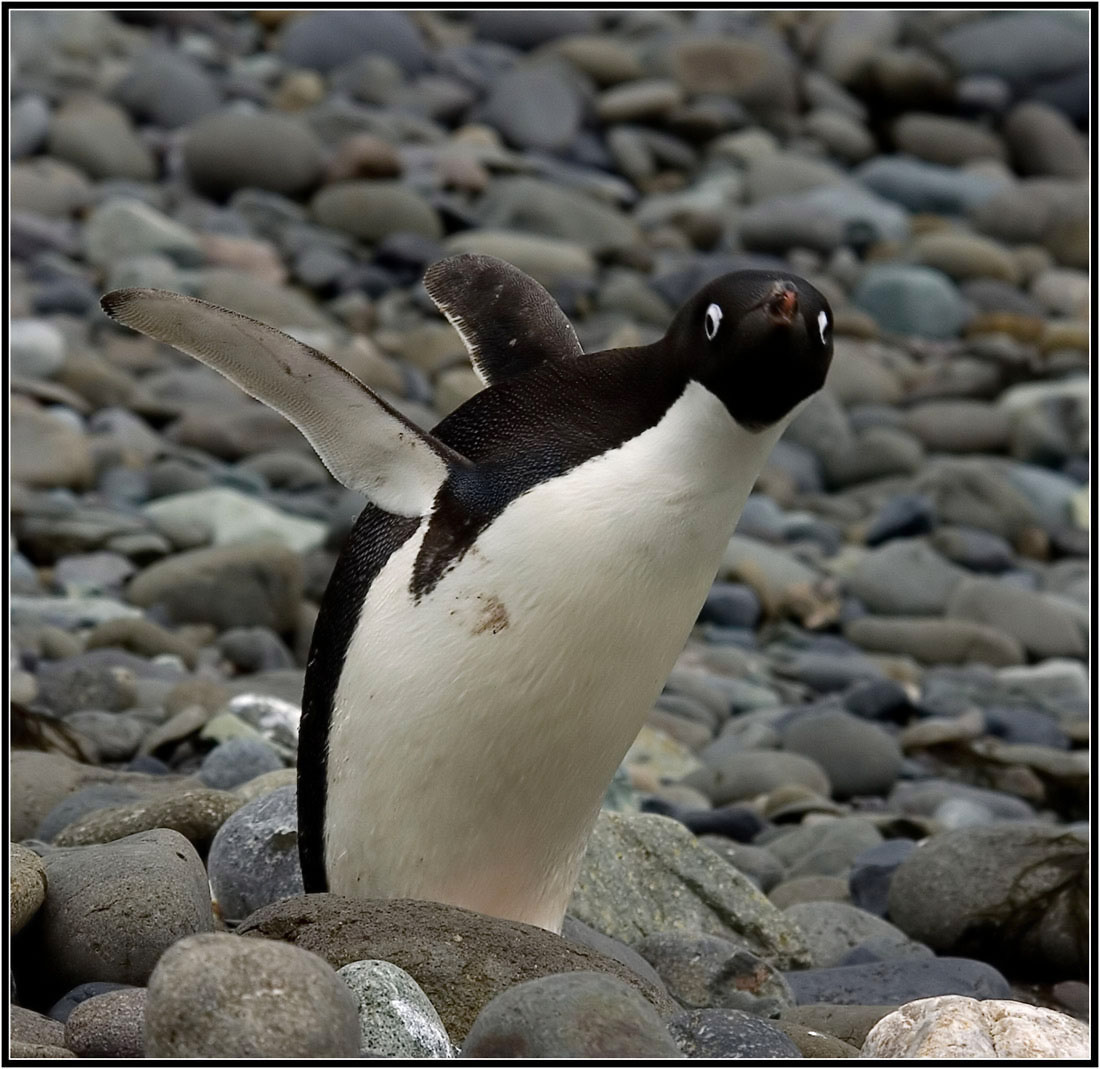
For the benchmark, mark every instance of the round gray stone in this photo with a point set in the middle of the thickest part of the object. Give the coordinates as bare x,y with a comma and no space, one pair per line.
730,1033
396,1019
569,1015
254,856
221,996
111,1025
858,756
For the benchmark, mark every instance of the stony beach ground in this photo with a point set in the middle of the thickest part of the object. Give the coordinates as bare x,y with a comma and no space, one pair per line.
865,786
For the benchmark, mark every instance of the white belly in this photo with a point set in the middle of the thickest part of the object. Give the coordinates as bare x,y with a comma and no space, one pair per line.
474,734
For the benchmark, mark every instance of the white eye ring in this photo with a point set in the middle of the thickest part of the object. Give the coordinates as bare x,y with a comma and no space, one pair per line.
713,318
823,327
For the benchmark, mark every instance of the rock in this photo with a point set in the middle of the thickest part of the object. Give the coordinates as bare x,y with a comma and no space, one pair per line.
47,451
970,493
731,605
858,756
754,861
534,107
241,585
221,996
27,1026
952,1027
543,207
22,1049
898,980
808,889
1021,47
168,88
112,910
904,577
926,797
26,886
371,210
644,874
872,871
825,848
745,774
902,516
823,219
908,299
269,781
281,306
762,78
66,687
396,1020
1014,893
29,119
97,137
975,550
324,40
965,256
703,971
1045,625
236,517
36,348
833,929
122,226
928,187
1043,141
237,761
528,29
843,135
936,641
816,1045
849,1023
460,959
945,140
254,856
850,40
724,1033
569,1015
114,736
111,1025
143,637
547,260
231,150
194,814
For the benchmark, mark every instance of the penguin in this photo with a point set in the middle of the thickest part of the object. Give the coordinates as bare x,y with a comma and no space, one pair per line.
509,604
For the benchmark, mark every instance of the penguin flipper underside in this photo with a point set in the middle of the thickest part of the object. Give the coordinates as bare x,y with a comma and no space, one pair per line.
366,443
508,322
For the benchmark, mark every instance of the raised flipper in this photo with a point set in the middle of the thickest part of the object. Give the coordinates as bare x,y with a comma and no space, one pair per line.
366,444
508,322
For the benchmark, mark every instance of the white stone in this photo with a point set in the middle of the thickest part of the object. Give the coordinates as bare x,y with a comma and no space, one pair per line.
952,1026
236,517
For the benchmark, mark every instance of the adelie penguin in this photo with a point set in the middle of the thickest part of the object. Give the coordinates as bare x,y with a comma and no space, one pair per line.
510,602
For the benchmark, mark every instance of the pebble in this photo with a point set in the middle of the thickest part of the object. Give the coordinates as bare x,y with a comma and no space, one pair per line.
167,88
111,910
872,871
121,227
954,1027
911,299
632,884
236,761
742,774
97,137
324,40
460,959
230,150
935,640
858,756
111,1025
1013,892
26,886
534,107
833,929
1044,625
704,971
36,348
218,995
396,1020
254,855
898,980
370,210
194,814
730,1033
569,1015
239,585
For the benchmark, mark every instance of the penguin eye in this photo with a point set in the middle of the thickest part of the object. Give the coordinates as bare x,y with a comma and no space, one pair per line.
823,327
713,318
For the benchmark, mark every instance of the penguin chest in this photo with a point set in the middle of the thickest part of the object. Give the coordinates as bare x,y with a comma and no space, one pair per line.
474,731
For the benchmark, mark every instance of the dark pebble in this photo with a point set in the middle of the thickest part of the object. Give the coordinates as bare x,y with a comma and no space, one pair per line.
869,879
68,1002
730,1034
903,516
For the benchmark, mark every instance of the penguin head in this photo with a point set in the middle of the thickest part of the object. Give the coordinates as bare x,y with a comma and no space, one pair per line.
761,341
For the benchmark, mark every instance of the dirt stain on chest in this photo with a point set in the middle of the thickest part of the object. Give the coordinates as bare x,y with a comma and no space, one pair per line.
492,615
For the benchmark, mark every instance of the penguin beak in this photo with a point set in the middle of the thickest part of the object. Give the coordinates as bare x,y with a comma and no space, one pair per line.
782,305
